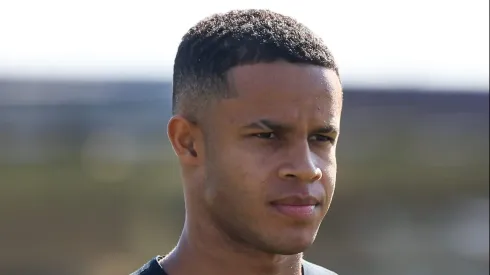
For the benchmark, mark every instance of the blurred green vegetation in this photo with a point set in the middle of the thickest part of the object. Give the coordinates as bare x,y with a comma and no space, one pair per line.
411,197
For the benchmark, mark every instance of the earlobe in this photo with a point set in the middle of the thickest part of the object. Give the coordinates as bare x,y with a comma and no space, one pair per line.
183,136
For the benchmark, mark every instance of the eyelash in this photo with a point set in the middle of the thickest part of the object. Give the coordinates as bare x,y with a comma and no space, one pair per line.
268,134
261,135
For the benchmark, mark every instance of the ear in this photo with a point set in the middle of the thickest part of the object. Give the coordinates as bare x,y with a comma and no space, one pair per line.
186,139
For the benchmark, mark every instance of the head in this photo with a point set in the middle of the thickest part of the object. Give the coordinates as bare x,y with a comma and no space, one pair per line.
257,102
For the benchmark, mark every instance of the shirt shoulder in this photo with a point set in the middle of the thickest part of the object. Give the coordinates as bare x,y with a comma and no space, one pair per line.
151,268
313,269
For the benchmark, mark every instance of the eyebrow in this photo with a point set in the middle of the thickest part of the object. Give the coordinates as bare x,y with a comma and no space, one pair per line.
269,125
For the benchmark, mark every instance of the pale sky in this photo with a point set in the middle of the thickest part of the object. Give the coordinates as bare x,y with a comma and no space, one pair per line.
420,42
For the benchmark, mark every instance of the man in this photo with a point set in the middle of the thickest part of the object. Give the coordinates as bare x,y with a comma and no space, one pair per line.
257,102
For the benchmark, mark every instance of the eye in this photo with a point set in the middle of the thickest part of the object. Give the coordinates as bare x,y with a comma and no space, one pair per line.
322,138
269,135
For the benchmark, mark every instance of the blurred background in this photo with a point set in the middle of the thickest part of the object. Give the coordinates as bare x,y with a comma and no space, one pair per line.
90,186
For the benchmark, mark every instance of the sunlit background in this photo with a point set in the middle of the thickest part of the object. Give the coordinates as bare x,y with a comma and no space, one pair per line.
90,186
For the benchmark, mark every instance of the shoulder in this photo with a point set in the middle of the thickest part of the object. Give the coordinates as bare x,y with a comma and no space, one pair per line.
150,268
313,269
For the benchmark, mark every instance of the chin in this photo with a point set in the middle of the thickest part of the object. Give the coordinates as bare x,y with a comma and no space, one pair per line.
291,245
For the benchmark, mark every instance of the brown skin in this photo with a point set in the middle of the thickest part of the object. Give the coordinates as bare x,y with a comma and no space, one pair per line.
235,163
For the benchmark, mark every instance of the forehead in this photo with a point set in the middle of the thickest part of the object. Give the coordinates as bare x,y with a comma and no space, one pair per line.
282,90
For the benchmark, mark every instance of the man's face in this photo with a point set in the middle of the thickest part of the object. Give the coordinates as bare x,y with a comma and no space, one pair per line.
270,164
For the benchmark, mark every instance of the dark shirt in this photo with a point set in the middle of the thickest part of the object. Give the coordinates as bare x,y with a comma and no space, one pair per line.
154,268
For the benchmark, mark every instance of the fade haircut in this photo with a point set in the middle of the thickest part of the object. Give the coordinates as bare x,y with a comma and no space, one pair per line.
239,37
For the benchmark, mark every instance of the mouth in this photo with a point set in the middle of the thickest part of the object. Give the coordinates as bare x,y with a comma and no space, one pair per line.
299,208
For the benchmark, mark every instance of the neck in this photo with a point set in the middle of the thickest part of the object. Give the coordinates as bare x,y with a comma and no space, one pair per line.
203,249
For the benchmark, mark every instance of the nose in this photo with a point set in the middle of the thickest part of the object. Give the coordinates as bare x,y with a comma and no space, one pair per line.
301,165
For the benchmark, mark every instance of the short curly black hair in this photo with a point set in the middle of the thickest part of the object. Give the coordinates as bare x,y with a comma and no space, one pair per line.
239,37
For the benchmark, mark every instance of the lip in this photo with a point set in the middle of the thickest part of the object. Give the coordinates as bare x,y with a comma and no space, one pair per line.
297,207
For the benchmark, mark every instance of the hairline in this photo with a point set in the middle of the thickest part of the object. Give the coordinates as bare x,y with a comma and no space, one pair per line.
225,83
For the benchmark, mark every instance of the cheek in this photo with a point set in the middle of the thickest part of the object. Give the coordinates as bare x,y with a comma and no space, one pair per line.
234,177
330,174
330,161
330,178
